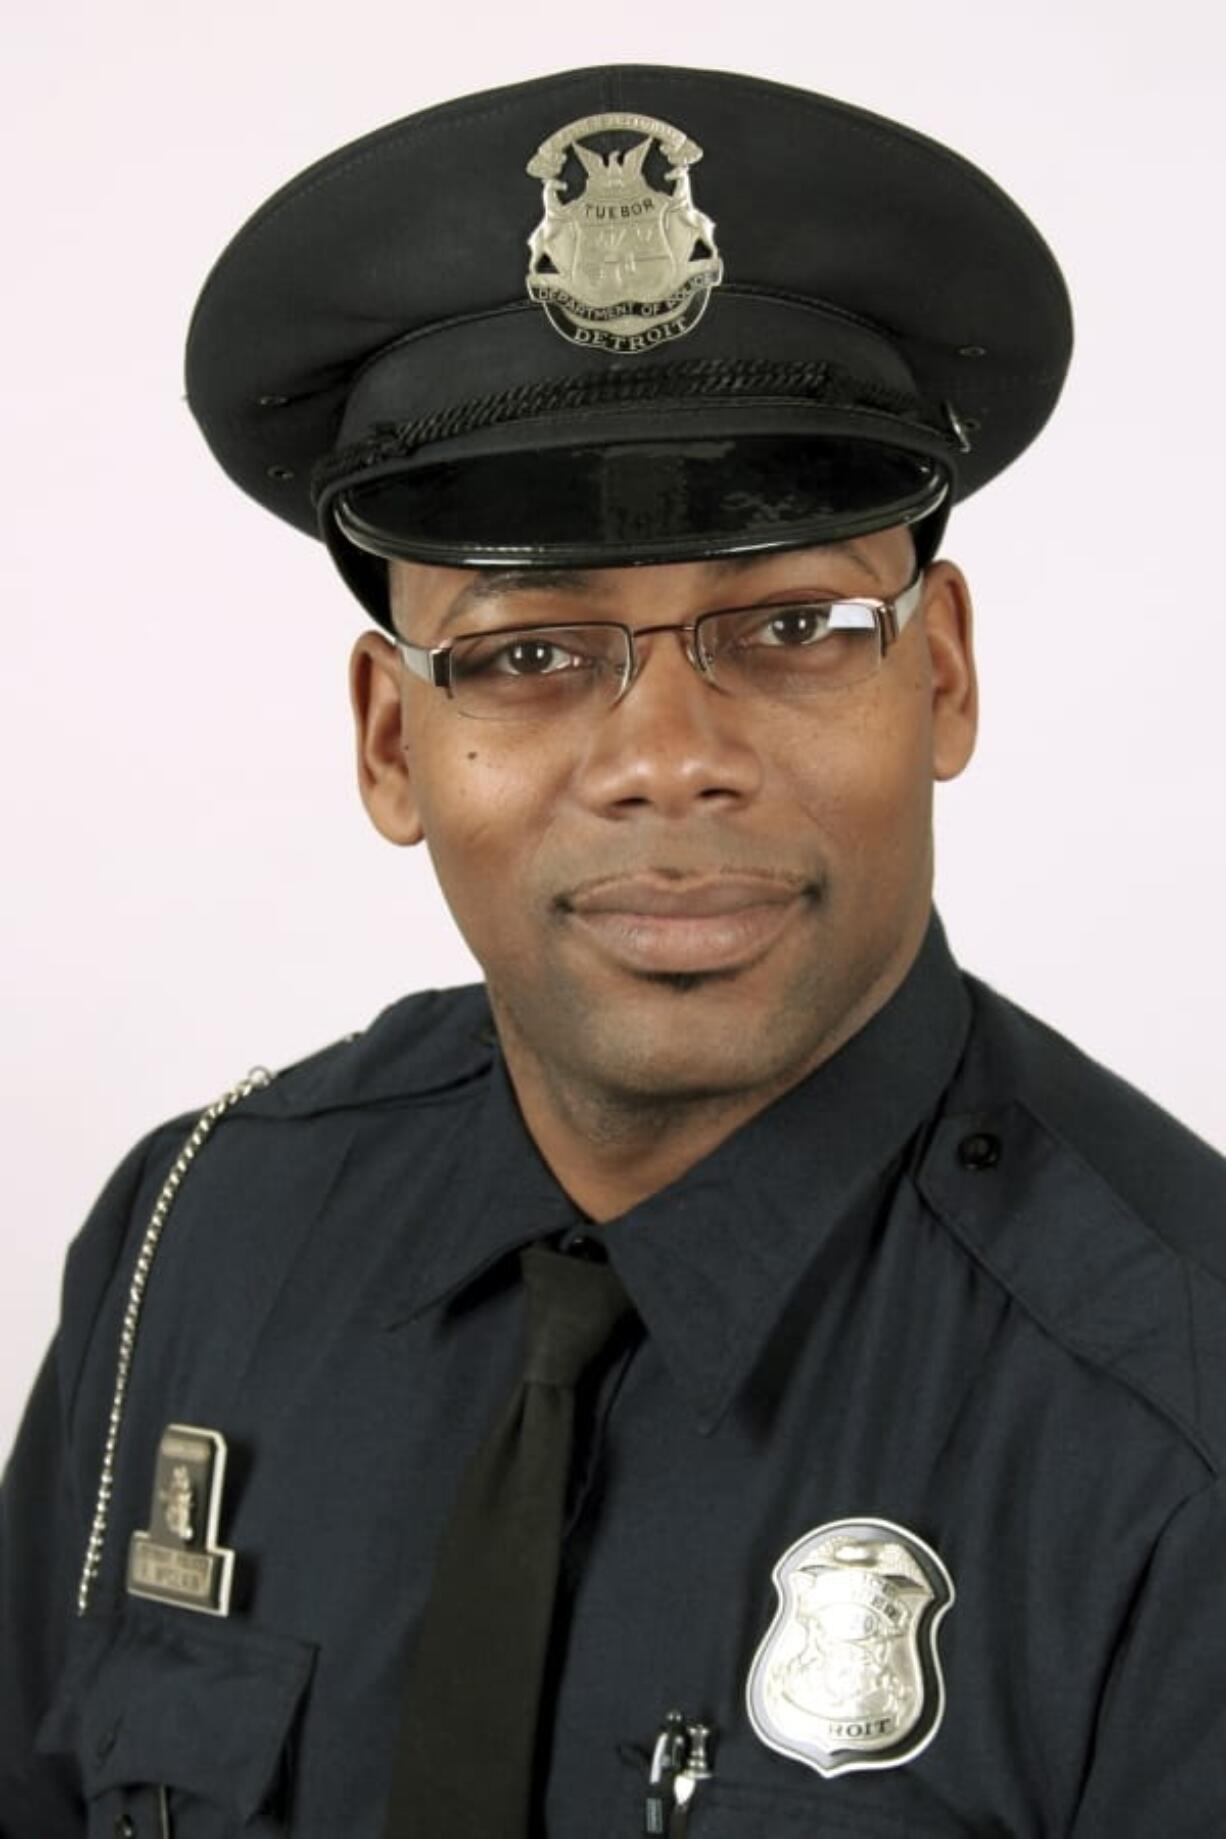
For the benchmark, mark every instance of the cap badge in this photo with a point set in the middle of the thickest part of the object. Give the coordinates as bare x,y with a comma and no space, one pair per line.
848,1675
178,1559
621,265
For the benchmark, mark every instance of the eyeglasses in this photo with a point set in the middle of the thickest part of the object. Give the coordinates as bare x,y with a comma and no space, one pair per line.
787,652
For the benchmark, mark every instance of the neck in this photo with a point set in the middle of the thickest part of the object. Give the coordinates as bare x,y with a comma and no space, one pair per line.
611,1149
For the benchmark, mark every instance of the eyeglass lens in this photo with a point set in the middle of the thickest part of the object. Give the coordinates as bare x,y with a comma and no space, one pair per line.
785,653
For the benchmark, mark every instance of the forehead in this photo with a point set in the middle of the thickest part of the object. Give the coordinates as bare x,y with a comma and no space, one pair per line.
879,563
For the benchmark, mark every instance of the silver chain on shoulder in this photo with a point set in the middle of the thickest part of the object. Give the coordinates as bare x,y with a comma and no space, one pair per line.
256,1079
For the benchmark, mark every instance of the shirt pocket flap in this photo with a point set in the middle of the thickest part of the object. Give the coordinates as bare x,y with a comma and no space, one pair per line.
206,1710
855,1807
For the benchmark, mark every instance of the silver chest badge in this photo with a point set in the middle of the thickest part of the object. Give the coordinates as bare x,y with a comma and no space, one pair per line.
848,1675
621,265
178,1559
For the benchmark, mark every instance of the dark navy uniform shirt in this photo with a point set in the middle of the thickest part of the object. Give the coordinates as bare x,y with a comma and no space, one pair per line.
960,1279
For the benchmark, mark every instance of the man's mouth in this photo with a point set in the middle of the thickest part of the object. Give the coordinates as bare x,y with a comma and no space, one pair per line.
662,925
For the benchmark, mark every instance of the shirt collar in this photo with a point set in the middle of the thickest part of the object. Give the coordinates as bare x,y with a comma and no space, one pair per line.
711,1260
501,1195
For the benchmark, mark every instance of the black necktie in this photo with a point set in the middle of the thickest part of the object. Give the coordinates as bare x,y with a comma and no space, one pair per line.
468,1727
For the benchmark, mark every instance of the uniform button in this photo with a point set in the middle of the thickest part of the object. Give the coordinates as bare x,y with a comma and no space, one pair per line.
105,1741
980,1151
581,1246
124,1827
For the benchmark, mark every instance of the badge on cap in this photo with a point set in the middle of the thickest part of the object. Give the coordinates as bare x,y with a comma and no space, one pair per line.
848,1675
622,266
178,1559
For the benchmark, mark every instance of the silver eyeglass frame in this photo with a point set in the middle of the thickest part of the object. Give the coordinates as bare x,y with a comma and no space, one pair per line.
432,663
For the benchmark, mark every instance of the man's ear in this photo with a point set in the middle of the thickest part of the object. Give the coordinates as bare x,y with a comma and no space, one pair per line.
384,779
948,622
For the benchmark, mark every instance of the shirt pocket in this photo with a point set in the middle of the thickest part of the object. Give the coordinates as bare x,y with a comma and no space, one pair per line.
726,1808
181,1731
732,1811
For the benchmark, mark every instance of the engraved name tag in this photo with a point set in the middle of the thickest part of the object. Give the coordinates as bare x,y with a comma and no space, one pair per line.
178,1560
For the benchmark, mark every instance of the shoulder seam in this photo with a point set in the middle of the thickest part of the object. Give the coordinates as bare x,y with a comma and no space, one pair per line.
1039,1112
1086,1353
161,1139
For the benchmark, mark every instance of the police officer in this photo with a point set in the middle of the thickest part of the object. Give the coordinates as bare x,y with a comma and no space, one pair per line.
732,1372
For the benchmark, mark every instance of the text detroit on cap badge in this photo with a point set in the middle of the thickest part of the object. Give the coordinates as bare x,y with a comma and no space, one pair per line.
848,1675
621,265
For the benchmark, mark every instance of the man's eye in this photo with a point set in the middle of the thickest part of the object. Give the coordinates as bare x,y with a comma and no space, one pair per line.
790,627
525,657
531,658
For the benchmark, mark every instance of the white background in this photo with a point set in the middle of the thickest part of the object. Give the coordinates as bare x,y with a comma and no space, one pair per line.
189,883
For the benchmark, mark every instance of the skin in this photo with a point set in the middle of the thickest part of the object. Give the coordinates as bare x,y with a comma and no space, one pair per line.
814,819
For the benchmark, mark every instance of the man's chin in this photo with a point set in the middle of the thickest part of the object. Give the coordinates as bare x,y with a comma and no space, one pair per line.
670,1036
685,1046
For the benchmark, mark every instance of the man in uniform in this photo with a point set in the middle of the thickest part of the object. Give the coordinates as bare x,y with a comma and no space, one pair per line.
731,1373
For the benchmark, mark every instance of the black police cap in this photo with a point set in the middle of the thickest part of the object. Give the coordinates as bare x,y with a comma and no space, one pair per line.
629,314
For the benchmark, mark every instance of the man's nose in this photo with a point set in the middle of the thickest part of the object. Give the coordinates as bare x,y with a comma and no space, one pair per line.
672,743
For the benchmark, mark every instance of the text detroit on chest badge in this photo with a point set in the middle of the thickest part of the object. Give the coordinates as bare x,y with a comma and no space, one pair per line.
848,1675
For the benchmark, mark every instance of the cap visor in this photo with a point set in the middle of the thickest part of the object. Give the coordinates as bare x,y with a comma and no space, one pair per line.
654,501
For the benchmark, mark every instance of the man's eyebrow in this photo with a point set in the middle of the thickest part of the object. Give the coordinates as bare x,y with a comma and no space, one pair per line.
841,545
493,584
501,583
850,547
